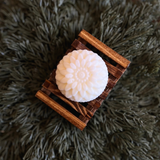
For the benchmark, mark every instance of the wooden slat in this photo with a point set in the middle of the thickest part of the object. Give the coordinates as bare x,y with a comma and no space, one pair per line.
75,105
111,83
84,119
91,108
52,76
59,109
82,40
111,69
107,90
104,95
69,50
46,91
94,104
104,49
121,68
78,45
99,101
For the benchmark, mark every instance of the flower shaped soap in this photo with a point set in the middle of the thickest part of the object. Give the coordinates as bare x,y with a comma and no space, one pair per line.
81,75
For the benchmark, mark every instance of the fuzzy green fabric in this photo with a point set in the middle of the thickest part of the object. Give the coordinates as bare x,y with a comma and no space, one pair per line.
34,36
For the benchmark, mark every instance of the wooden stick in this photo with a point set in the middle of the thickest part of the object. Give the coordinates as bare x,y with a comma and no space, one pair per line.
78,45
82,40
46,91
59,109
113,70
104,49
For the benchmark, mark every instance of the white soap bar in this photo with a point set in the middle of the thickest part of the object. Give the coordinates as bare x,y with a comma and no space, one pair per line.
81,75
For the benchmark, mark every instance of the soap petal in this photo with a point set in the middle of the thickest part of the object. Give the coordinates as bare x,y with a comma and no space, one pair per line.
68,87
84,87
73,66
74,92
78,97
83,93
72,59
64,80
66,65
83,62
61,86
74,85
68,94
79,87
63,72
69,75
77,63
70,70
61,66
66,59
59,76
80,57
70,81
89,84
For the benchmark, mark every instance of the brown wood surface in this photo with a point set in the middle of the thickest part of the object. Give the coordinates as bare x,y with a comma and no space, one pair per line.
113,70
46,91
52,76
75,105
84,119
78,45
104,94
82,40
111,83
69,50
104,49
91,108
59,109
122,69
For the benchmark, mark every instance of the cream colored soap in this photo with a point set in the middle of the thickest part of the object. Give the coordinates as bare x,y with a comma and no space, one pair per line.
81,75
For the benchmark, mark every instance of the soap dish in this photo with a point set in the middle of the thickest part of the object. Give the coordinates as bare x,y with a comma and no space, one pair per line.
80,113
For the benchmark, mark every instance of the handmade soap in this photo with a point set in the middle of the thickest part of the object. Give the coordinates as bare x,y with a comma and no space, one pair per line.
81,75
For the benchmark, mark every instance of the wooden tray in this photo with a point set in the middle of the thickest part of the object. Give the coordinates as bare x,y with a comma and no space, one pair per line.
83,112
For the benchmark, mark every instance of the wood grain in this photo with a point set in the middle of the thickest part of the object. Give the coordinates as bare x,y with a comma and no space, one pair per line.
69,50
91,108
78,45
104,49
82,40
62,111
46,91
52,76
122,69
104,95
113,70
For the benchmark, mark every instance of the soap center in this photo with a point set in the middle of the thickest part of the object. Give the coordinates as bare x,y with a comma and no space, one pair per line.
81,74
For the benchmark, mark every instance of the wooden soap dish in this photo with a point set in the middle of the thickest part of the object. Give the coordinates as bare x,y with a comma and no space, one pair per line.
80,113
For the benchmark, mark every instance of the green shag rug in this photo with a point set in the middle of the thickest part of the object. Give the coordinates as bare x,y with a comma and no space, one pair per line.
34,35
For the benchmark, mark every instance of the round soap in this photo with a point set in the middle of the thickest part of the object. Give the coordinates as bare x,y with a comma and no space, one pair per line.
81,75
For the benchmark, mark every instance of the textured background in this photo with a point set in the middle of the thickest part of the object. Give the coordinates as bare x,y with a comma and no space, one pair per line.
34,36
